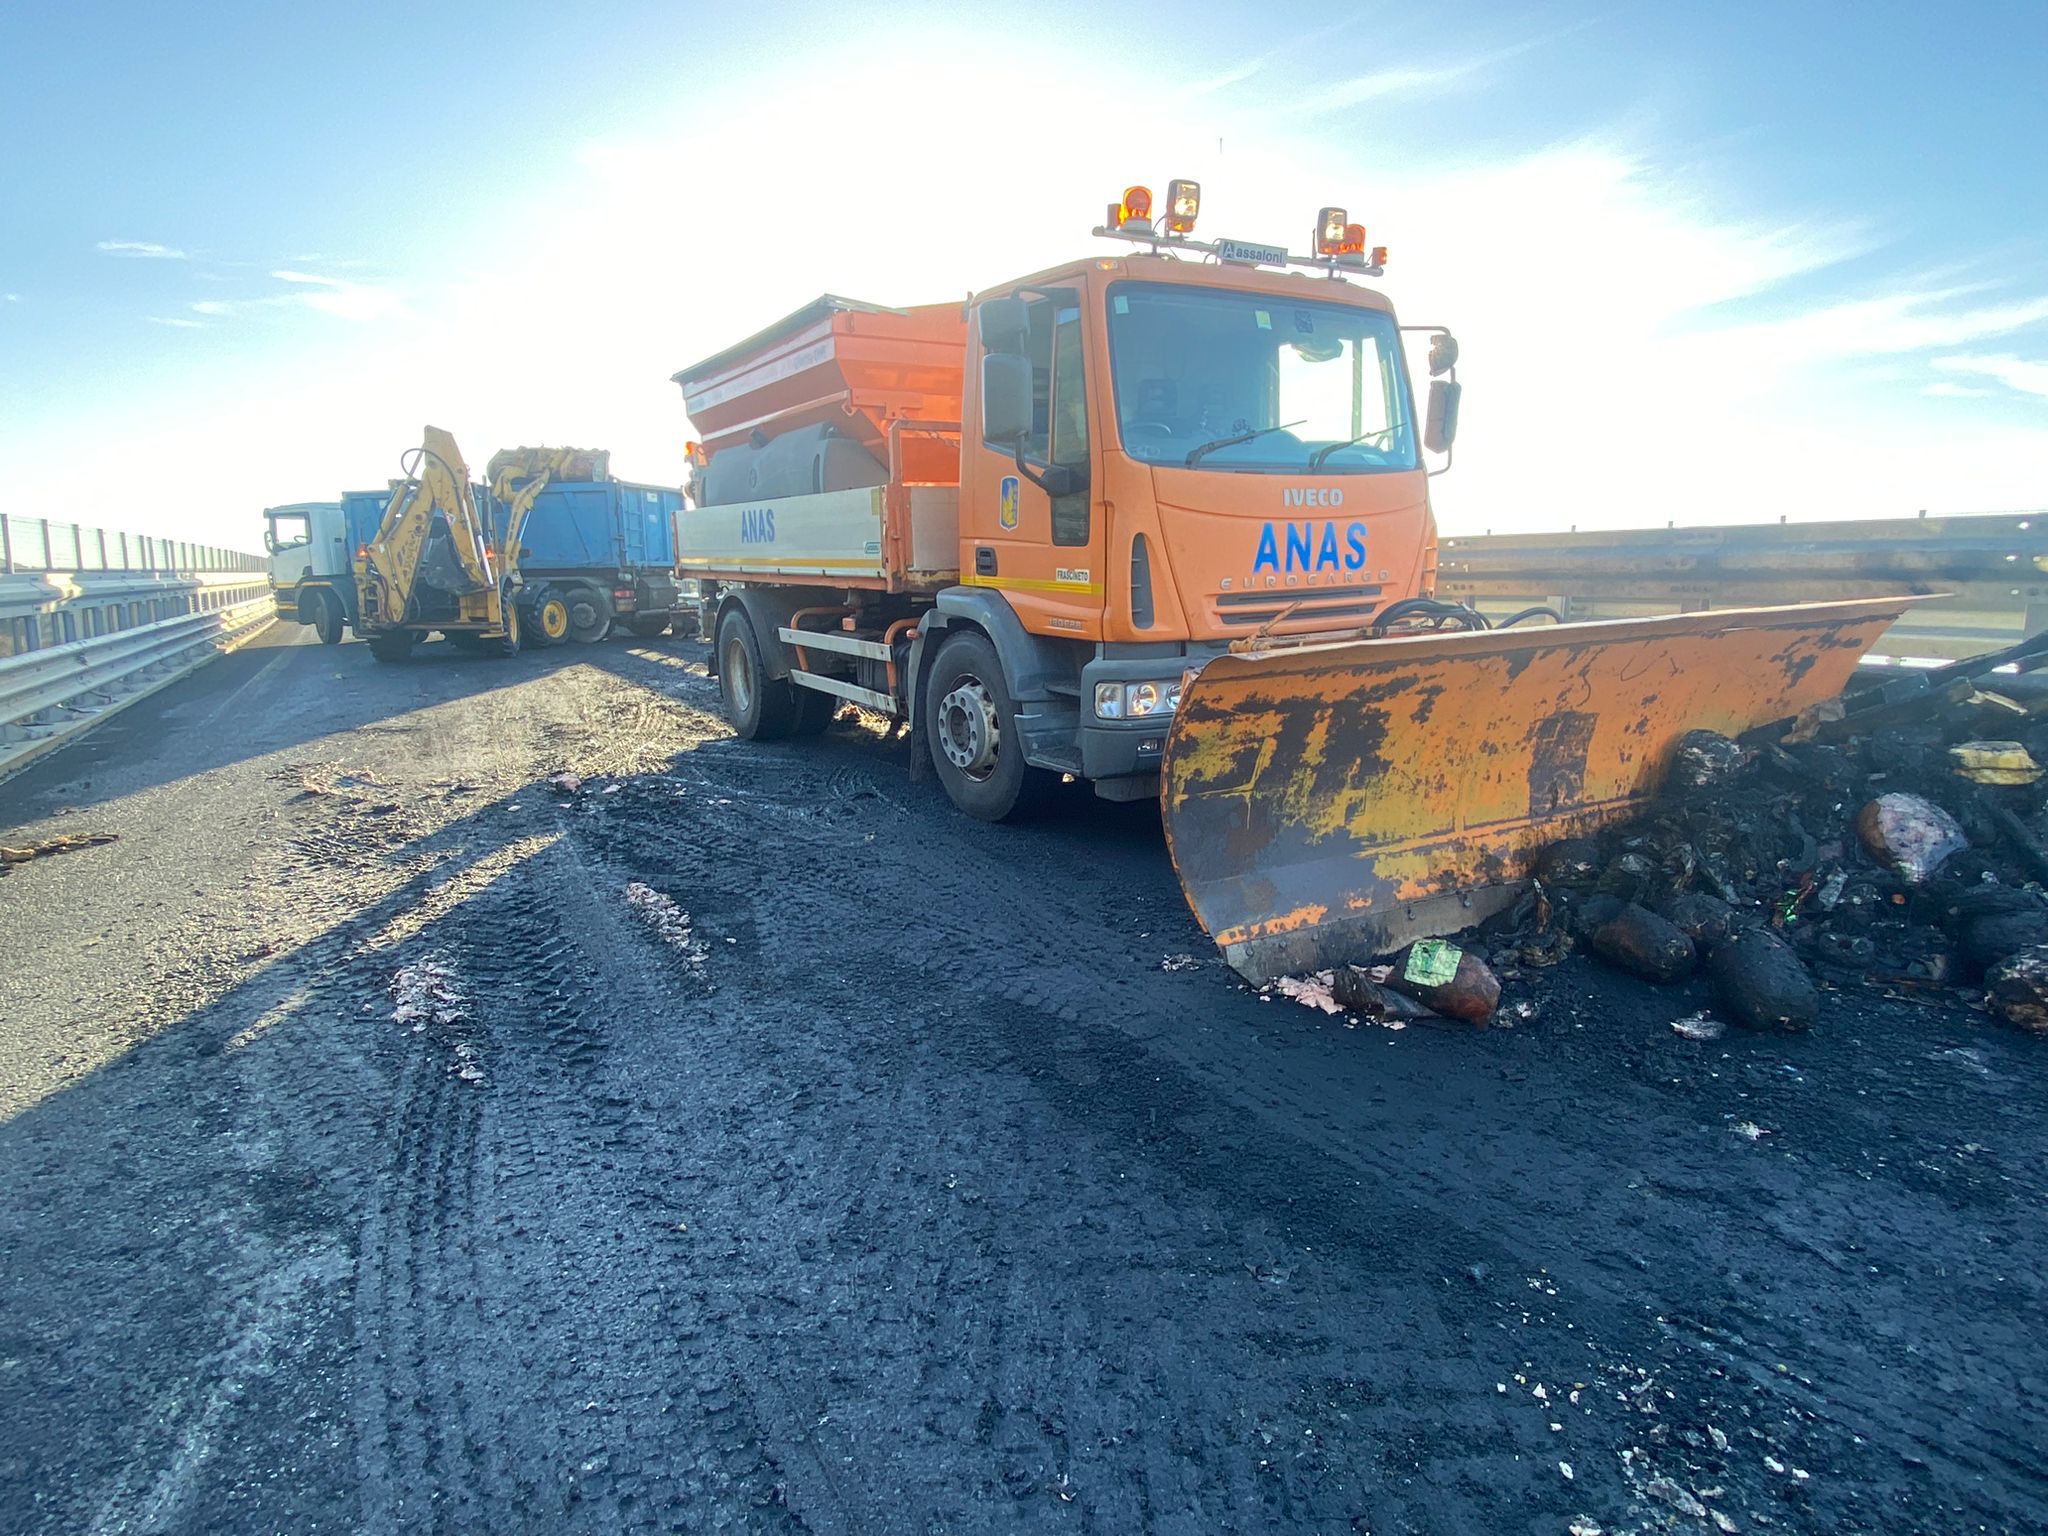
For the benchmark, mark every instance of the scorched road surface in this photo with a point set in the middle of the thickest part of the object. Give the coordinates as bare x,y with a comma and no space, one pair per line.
738,1139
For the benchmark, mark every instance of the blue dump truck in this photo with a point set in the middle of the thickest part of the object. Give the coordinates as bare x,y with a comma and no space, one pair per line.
594,551
606,547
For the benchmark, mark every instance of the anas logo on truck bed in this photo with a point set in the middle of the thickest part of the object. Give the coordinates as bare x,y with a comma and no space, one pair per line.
757,525
1310,547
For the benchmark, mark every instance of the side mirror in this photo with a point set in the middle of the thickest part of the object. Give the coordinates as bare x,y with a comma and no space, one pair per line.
1005,325
1005,398
1443,353
1441,428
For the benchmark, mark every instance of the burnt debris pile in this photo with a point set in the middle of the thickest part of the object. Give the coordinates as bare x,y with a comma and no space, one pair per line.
1894,848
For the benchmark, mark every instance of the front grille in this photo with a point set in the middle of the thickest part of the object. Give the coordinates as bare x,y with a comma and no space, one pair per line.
1263,607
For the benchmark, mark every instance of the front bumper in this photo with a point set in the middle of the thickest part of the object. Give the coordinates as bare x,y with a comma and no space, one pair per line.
1113,748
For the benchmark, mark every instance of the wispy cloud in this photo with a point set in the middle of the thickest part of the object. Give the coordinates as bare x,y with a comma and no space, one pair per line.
10,298
2017,373
1258,63
1948,389
183,325
1380,84
1410,81
147,250
340,297
335,296
1909,320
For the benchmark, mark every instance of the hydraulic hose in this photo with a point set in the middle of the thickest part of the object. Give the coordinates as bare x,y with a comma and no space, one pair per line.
1435,613
1540,611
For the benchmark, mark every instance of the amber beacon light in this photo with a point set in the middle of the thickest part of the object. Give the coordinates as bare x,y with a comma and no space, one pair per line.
1135,211
1331,224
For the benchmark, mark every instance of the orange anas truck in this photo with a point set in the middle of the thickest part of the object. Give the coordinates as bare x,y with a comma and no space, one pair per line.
1160,520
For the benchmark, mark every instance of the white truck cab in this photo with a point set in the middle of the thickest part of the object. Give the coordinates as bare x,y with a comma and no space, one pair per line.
311,579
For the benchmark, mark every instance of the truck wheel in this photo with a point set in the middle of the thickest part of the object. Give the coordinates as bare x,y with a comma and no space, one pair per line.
392,645
327,618
814,711
648,625
760,707
970,725
548,612
590,615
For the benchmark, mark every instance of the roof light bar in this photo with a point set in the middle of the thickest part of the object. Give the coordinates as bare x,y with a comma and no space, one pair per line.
1337,241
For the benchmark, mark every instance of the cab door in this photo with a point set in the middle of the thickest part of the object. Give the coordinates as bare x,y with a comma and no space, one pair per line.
1034,527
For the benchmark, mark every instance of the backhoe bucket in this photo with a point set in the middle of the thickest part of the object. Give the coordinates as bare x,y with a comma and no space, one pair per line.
1330,801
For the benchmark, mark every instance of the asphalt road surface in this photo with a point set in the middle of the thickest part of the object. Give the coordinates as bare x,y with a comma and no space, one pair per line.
739,1140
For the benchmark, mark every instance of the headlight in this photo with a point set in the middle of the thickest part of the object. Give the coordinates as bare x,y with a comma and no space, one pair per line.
1135,701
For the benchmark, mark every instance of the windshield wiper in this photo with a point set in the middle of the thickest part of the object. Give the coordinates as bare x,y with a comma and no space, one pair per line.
1315,460
1195,455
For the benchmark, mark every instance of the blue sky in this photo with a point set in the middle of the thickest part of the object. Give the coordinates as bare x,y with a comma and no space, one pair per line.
1708,262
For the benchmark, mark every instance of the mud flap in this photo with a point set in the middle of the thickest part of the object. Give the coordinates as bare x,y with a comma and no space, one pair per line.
1329,801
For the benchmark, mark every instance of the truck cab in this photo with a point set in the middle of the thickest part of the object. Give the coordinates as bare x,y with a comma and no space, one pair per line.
310,582
1176,456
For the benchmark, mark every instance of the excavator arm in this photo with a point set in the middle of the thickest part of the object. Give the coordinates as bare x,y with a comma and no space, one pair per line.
519,475
431,533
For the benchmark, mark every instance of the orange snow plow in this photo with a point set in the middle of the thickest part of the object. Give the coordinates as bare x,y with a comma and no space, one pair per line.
1330,800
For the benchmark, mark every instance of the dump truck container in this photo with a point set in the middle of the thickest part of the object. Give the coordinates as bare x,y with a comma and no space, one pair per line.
608,546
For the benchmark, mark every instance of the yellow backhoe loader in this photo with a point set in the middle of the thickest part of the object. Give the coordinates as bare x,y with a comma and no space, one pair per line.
431,564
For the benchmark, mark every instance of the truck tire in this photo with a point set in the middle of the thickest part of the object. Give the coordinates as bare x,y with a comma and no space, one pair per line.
760,707
392,645
814,711
548,612
326,617
970,726
648,625
590,615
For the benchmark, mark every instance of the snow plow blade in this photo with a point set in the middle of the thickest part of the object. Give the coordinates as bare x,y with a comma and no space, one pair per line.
1329,801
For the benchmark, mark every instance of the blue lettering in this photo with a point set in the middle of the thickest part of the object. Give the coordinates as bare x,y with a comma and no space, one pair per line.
1268,557
1326,552
757,525
1354,541
1298,545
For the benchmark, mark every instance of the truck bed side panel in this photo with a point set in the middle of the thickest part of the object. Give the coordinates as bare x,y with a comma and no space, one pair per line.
602,525
836,536
853,537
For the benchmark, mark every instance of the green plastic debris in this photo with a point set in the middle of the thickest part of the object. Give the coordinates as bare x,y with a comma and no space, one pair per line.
1432,962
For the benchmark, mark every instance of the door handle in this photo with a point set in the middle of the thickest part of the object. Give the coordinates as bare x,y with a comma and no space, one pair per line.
984,560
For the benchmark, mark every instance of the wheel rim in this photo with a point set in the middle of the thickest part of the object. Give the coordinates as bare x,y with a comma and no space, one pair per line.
554,619
739,675
970,732
586,617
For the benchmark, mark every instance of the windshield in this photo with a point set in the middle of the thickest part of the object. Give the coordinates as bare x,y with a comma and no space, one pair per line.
1249,381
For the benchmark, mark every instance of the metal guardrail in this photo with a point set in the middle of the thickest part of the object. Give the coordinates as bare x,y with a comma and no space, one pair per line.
50,695
1992,568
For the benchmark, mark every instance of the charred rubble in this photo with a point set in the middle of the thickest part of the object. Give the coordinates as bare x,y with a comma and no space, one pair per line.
1897,848
1905,855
